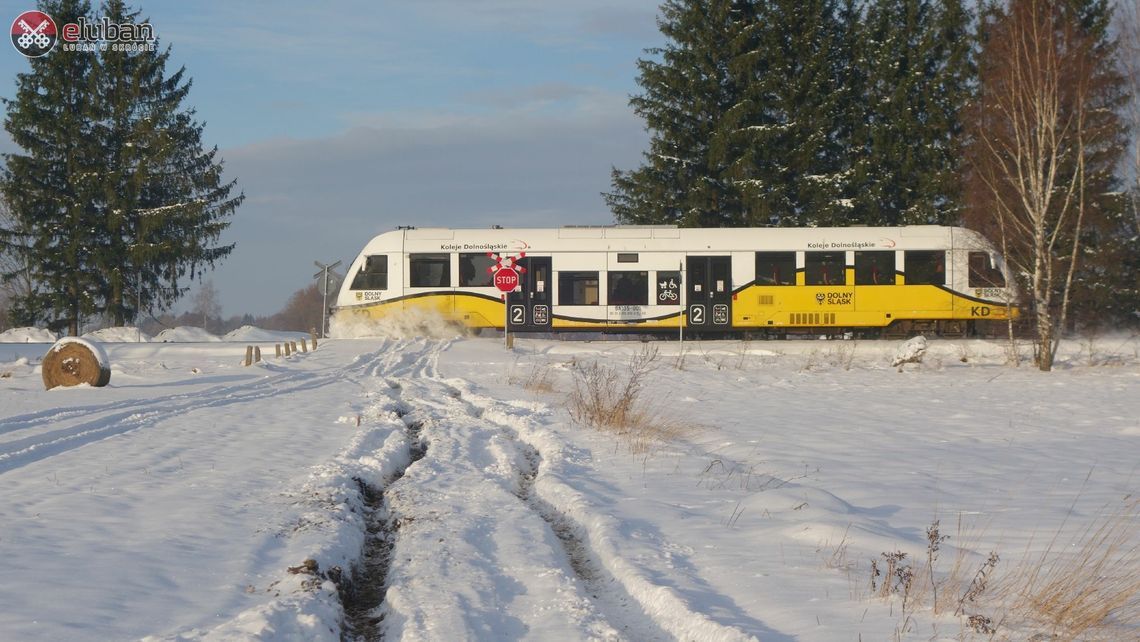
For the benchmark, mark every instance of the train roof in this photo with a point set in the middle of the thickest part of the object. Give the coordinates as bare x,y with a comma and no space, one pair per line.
671,238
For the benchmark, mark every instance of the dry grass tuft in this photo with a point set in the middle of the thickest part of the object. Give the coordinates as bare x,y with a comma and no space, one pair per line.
539,378
610,398
1088,588
1085,587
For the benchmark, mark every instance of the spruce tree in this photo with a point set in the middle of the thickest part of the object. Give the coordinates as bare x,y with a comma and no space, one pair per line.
53,186
115,199
785,132
166,203
906,129
688,89
1107,282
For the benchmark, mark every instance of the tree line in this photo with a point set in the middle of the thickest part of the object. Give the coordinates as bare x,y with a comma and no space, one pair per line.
301,313
114,203
1008,117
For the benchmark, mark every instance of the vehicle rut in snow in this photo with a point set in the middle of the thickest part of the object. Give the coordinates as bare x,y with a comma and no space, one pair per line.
454,510
363,596
618,607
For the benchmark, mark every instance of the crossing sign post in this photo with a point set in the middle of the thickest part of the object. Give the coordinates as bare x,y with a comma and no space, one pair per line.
506,279
324,275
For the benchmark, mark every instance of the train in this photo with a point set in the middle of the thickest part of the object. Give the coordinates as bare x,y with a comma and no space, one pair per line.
653,279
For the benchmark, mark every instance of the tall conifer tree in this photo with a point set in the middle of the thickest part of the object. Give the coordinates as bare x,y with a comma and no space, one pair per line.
786,130
52,186
688,89
1107,288
115,198
165,199
916,57
817,112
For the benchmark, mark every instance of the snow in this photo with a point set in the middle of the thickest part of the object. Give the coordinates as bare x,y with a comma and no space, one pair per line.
182,501
92,346
124,334
911,351
27,335
185,334
253,334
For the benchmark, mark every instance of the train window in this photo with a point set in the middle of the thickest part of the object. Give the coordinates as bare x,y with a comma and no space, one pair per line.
775,268
629,288
430,270
627,257
825,268
373,275
982,272
874,268
925,267
577,288
474,270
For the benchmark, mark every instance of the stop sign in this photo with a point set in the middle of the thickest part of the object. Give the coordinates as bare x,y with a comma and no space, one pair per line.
506,279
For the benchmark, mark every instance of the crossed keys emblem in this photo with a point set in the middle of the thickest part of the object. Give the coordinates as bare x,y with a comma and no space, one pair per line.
31,35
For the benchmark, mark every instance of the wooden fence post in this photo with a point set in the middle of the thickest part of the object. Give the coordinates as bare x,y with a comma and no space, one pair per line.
286,349
248,355
278,350
304,346
257,354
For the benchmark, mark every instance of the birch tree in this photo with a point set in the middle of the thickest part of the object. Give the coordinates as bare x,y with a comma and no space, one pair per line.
1040,137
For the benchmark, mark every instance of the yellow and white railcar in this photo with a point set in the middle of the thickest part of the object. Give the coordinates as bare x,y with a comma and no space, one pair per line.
652,278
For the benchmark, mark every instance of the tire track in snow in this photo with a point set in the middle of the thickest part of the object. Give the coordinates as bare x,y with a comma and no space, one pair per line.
118,418
624,603
620,610
640,608
55,415
423,401
363,597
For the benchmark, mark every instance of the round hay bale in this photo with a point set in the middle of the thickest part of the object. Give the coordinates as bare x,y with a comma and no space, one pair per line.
72,361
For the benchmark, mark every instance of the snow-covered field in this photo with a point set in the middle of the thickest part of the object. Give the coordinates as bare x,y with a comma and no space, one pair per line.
194,498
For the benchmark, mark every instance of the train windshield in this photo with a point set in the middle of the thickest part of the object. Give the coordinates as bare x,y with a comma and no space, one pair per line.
984,272
373,275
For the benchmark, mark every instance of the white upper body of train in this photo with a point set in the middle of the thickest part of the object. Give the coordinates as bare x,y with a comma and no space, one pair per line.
657,276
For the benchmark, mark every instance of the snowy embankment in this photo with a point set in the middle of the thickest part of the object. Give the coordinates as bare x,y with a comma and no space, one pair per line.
180,334
197,499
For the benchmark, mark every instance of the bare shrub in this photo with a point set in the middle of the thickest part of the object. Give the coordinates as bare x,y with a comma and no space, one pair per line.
539,378
979,583
934,540
841,355
606,396
835,556
897,576
610,398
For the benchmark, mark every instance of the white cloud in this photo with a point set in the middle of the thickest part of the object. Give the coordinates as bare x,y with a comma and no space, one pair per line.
321,199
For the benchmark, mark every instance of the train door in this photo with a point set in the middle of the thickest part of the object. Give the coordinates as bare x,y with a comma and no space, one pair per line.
708,286
528,309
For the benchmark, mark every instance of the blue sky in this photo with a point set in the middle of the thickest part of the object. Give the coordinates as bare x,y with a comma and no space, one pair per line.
341,120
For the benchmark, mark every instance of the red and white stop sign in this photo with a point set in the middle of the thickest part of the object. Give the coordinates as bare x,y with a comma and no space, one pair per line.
506,279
